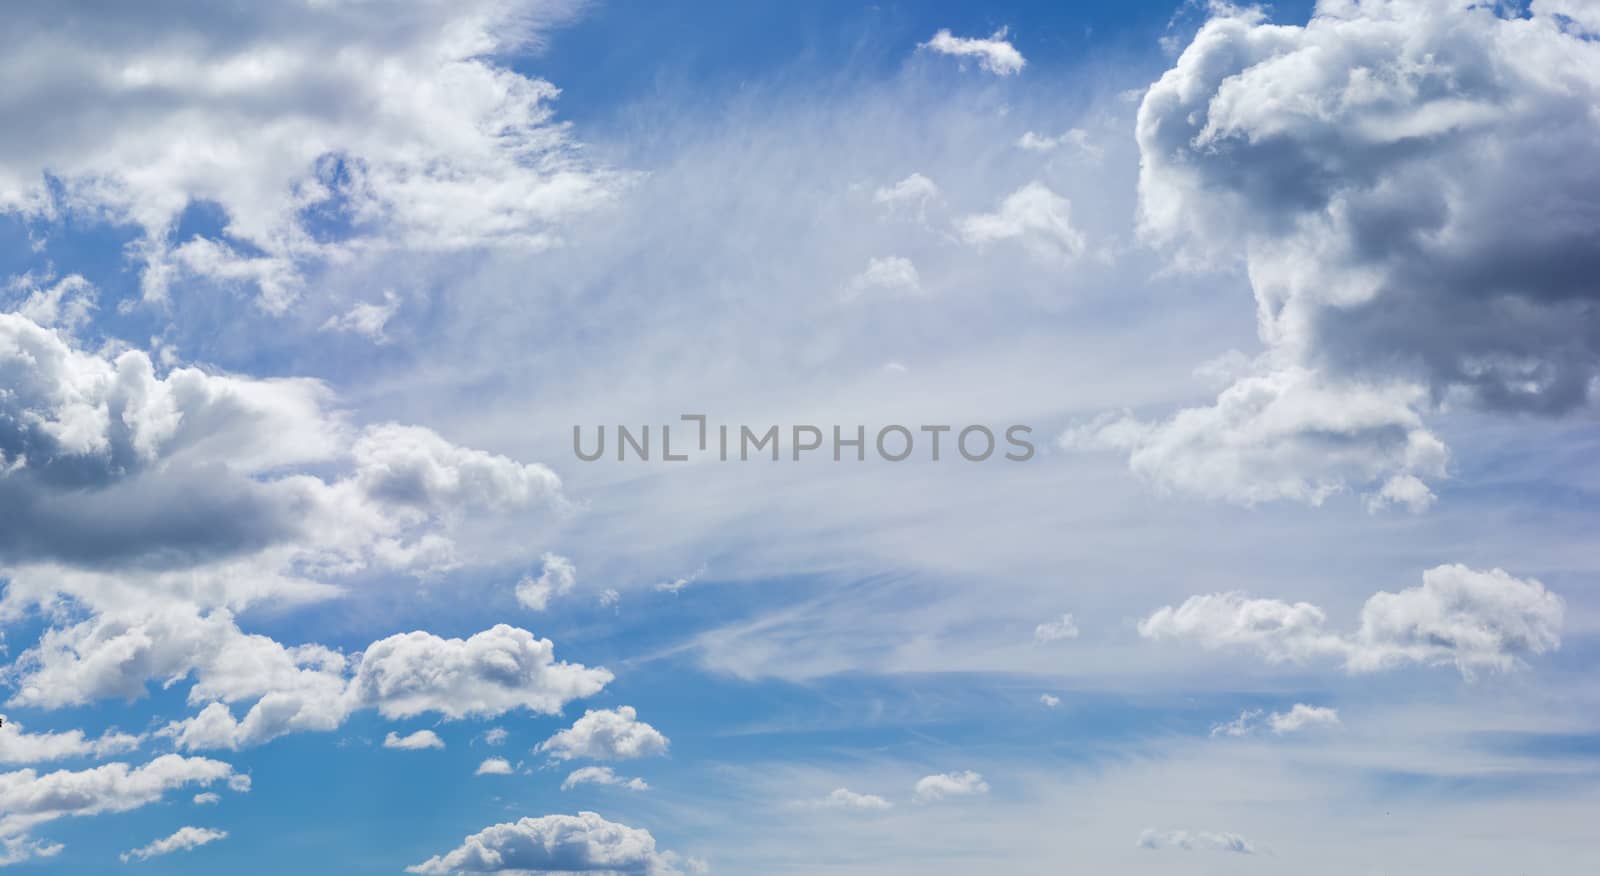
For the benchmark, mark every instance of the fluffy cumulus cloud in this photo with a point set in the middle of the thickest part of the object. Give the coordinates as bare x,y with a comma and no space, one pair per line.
995,53
487,674
941,785
1417,199
601,775
284,126
582,843
1033,216
182,840
494,766
1474,620
418,741
132,485
20,747
557,578
29,798
1283,435
1064,627
1407,182
1195,840
606,734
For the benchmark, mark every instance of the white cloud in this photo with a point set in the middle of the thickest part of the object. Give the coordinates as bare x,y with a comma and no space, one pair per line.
195,485
892,274
994,54
1035,216
1302,717
417,741
185,839
937,787
207,798
557,578
312,689
493,766
1240,726
445,150
29,799
844,798
606,734
1473,620
601,775
66,303
1054,631
1381,145
1195,840
1283,435
676,585
1299,717
489,673
1049,701
1392,210
366,318
1076,139
581,843
20,747
495,736
910,196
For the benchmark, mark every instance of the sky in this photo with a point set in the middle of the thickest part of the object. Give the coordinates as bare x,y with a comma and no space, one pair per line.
1286,317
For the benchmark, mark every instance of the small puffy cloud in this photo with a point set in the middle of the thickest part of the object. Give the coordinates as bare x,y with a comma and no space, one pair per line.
207,798
1474,620
1303,717
417,741
994,54
893,275
185,839
601,775
1195,841
366,318
1299,717
1056,630
582,843
1034,216
676,585
495,736
1075,140
937,787
606,734
415,467
1049,701
909,197
557,578
844,798
493,766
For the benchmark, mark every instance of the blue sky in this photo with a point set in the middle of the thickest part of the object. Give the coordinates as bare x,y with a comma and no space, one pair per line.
302,303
